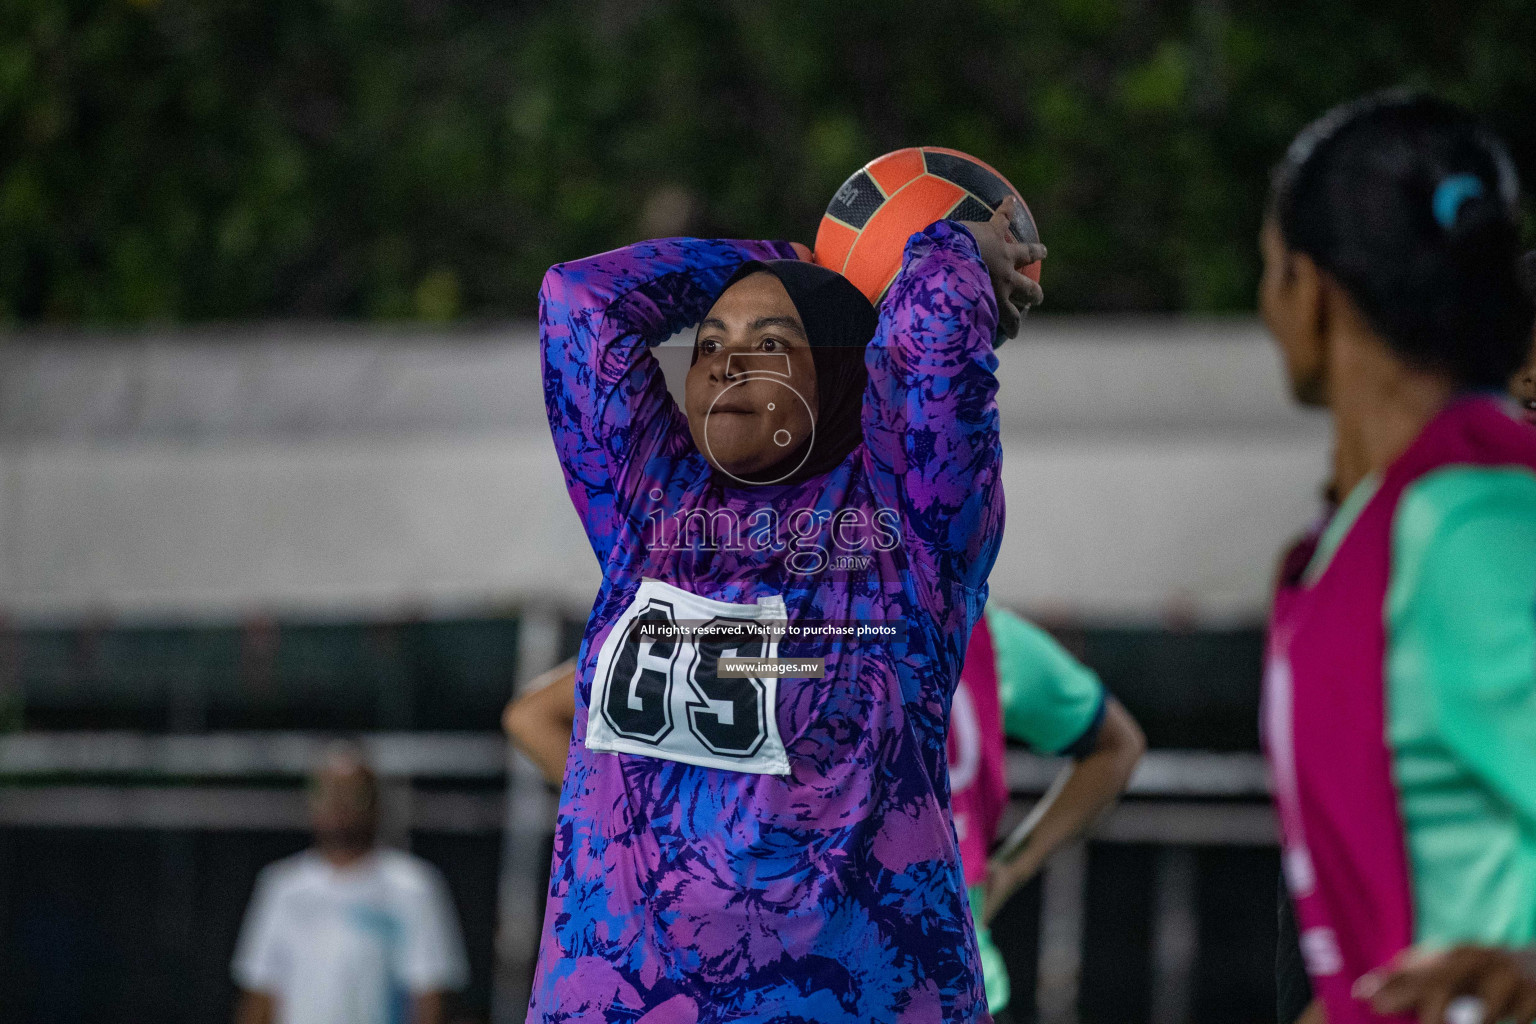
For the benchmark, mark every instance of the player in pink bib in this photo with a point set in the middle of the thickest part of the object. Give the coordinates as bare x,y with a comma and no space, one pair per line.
1400,687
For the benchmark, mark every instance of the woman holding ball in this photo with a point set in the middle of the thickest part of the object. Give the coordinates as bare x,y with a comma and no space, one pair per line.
772,848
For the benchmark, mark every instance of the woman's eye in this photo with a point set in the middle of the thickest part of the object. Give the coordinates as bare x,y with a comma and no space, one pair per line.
772,344
708,347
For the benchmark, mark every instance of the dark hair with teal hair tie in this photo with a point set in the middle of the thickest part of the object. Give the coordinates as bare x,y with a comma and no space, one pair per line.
1453,193
1411,204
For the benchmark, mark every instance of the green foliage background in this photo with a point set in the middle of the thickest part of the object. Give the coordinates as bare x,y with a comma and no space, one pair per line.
194,160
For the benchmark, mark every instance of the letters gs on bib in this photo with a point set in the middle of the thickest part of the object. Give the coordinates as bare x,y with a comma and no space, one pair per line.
727,715
662,696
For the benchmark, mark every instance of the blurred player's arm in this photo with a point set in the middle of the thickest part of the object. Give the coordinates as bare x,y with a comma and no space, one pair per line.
1056,704
1082,792
930,412
255,1008
606,398
539,722
1462,655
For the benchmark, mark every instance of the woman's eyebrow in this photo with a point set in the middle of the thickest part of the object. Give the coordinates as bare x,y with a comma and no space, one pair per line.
712,321
779,321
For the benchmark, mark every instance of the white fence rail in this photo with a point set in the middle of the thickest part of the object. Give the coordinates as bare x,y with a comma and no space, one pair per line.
118,780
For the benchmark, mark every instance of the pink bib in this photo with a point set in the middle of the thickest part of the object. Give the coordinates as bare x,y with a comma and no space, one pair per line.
978,783
1344,850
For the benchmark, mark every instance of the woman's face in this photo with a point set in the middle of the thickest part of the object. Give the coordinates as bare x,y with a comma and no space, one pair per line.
750,394
1289,301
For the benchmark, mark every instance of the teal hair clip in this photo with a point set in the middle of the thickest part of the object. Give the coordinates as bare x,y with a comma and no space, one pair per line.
1451,194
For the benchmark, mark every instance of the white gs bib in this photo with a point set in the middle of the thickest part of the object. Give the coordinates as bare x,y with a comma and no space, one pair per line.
662,697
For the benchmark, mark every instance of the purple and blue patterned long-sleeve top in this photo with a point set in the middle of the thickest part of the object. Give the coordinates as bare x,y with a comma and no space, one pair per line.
821,881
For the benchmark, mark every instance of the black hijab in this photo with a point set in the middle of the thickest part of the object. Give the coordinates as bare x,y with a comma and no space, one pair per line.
839,323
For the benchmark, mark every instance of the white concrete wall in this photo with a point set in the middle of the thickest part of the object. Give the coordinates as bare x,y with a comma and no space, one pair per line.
1152,468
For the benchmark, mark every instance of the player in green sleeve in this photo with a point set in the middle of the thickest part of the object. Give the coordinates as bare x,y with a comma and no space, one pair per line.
1019,682
1400,689
1427,979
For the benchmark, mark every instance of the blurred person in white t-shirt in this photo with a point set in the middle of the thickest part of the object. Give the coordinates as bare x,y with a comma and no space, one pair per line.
347,932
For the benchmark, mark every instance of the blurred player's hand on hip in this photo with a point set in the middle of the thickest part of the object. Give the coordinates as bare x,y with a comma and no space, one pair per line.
1003,880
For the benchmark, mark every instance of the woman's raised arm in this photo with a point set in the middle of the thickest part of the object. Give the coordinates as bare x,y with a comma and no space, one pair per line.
930,412
608,405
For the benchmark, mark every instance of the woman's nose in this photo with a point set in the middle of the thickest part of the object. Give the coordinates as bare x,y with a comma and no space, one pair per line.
720,367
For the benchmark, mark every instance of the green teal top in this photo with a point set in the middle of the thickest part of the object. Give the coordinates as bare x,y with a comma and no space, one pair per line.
1461,696
1049,700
